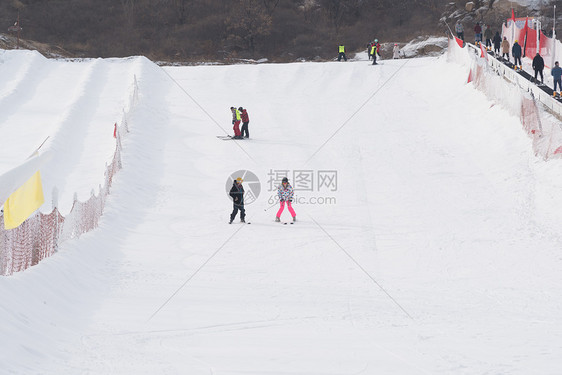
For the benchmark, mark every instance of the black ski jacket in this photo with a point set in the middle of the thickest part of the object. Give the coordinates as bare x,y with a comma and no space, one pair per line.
538,62
516,50
497,40
237,194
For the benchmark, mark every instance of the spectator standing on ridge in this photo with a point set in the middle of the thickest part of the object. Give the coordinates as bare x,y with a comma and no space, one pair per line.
237,194
459,29
556,73
245,121
396,51
538,66
285,193
516,53
341,50
505,49
488,37
236,122
497,44
477,33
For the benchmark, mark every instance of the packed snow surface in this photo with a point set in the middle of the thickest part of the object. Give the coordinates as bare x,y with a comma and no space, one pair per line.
434,249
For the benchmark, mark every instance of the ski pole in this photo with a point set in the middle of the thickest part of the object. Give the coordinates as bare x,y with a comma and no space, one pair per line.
267,209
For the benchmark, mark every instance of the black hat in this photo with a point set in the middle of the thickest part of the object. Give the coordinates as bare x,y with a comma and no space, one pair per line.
240,108
285,179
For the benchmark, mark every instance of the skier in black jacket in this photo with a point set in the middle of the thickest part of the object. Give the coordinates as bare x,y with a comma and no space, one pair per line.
516,53
237,194
538,66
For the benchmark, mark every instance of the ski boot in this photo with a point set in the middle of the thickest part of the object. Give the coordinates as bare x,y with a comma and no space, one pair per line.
242,220
294,218
277,219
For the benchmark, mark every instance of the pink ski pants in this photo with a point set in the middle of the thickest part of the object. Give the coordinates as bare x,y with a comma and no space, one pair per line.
282,206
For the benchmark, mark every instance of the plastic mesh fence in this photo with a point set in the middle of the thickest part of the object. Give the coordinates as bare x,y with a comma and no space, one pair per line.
41,234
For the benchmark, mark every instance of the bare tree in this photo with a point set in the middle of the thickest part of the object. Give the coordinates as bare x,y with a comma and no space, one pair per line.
128,12
270,5
181,7
248,21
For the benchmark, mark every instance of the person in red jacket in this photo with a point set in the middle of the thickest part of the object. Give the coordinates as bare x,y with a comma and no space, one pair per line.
477,33
245,122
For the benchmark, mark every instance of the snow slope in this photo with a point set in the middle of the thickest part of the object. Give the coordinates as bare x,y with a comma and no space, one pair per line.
439,255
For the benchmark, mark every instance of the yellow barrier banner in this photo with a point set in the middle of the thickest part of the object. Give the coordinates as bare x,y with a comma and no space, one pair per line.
23,202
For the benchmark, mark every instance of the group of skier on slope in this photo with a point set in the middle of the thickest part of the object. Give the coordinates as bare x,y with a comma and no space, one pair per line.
240,115
373,50
285,193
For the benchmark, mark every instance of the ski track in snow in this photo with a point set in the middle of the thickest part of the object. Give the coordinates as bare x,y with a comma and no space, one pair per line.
440,211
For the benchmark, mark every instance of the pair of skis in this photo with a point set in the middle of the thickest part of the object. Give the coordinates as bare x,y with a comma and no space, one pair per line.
281,222
229,137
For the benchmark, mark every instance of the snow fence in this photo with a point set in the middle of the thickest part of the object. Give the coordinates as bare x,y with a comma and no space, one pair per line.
40,235
516,94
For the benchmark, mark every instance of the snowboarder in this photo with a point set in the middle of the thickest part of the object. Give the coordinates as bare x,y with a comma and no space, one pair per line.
505,48
516,53
245,121
285,193
538,66
236,122
341,50
237,194
556,73
497,43
396,51
459,29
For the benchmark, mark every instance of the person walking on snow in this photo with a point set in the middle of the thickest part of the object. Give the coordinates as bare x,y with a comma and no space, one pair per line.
396,51
285,193
538,66
516,53
505,48
556,73
341,50
497,44
237,194
236,122
245,121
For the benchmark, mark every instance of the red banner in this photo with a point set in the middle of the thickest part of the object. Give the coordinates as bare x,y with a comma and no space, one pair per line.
460,42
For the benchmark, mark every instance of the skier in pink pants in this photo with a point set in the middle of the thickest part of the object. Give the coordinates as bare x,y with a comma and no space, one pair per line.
285,193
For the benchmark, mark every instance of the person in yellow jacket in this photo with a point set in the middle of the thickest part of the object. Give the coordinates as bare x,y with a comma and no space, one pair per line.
375,48
236,118
341,54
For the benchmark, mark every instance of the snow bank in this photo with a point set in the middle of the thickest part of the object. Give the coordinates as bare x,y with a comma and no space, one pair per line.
543,128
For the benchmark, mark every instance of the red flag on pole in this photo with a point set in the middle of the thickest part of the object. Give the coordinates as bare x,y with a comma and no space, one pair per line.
460,42
484,52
